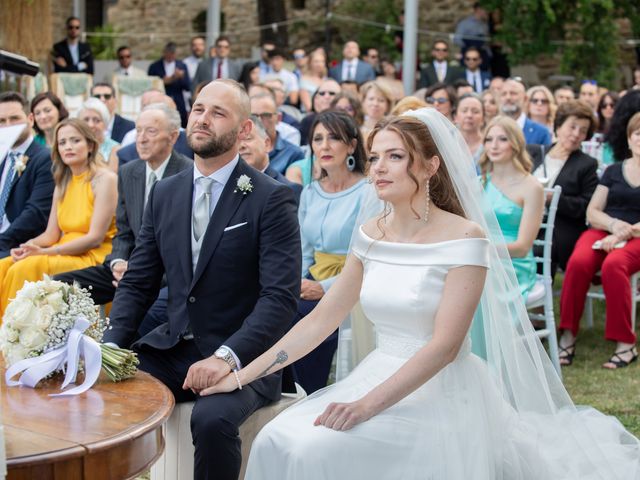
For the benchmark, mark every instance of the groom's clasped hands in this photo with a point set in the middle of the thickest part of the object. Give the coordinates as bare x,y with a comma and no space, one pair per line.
205,374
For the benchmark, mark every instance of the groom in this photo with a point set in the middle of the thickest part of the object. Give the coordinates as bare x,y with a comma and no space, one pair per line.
230,248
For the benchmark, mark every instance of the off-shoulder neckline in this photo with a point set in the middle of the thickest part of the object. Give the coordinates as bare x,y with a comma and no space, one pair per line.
422,244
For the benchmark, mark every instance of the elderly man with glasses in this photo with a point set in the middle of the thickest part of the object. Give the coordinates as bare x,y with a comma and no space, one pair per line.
283,153
70,54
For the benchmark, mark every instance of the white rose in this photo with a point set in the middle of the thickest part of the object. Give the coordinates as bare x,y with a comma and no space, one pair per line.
16,353
10,335
56,301
33,339
19,313
30,291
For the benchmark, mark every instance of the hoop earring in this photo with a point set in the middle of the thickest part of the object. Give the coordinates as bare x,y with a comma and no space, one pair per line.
426,207
351,163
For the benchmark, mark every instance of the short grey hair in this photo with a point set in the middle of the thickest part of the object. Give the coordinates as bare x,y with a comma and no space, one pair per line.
258,126
171,114
97,106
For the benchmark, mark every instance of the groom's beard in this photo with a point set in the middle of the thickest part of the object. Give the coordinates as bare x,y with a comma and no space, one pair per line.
215,146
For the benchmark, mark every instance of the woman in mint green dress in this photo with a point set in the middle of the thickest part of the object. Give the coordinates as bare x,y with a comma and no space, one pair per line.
518,201
516,195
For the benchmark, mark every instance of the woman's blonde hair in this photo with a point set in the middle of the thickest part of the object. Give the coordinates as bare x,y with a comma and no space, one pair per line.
407,104
61,172
312,54
382,90
553,107
521,158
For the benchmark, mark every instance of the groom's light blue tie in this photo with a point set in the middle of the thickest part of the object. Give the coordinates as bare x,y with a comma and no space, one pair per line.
6,188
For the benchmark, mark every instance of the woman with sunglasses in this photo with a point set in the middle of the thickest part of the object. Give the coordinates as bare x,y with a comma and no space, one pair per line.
443,98
47,110
606,107
541,106
320,101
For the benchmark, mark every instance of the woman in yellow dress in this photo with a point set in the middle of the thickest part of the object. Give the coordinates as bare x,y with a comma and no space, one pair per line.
81,224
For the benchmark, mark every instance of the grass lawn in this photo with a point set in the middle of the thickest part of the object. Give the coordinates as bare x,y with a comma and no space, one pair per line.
614,392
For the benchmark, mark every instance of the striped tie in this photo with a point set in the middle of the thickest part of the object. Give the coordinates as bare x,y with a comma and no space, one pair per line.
6,188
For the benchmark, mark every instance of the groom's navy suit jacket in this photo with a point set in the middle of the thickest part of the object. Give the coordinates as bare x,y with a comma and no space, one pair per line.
246,284
29,200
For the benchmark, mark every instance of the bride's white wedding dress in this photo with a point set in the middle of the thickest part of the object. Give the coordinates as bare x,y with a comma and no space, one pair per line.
457,425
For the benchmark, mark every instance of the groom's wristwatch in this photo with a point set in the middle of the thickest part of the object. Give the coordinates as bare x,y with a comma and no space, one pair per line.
224,354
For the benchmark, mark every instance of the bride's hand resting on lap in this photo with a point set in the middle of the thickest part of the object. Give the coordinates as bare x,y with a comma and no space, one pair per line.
344,416
311,290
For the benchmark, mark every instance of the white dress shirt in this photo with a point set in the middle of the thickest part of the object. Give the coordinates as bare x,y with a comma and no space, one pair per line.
224,73
192,63
169,68
8,176
475,80
520,121
159,174
349,69
441,70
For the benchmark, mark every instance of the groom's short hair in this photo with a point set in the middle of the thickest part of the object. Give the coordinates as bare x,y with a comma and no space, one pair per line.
244,104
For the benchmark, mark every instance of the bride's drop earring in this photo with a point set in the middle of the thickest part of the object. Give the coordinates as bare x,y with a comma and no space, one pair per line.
426,207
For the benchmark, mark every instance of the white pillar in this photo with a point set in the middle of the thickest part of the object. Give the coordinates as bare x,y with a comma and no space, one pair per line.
410,45
78,11
213,22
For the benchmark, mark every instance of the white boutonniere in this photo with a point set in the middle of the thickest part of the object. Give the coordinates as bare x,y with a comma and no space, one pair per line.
244,185
20,165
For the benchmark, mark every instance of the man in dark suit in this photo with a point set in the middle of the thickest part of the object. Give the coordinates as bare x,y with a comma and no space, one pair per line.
220,66
479,79
352,68
118,126
439,70
70,54
232,277
512,104
25,193
175,77
158,127
254,150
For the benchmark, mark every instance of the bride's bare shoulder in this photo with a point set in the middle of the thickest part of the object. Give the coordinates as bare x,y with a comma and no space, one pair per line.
458,227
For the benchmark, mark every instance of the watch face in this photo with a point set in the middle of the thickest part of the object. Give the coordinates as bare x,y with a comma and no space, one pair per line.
222,352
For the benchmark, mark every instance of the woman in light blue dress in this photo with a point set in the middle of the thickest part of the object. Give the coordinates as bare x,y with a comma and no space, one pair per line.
96,115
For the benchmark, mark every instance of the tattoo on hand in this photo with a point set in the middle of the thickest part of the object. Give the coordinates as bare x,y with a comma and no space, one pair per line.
281,357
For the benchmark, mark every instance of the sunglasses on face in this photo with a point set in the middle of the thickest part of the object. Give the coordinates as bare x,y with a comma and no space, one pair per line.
471,59
106,96
440,49
540,101
608,105
326,92
73,27
122,57
222,45
440,100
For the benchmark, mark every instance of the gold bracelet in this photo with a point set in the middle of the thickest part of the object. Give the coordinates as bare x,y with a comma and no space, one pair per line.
235,372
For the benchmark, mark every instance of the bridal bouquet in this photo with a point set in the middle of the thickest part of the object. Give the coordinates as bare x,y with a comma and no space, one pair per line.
49,327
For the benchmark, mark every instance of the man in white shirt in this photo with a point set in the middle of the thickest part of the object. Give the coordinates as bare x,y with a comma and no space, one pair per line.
439,70
71,55
352,69
125,64
477,78
198,47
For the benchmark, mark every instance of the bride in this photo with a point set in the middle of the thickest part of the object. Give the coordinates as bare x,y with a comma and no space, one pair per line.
421,405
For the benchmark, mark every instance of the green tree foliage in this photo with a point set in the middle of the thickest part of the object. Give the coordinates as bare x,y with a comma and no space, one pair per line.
103,47
584,33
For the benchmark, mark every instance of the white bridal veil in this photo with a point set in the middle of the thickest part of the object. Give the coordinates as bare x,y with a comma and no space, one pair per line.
519,364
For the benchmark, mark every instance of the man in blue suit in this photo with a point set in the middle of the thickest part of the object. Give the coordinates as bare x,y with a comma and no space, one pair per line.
512,104
175,76
25,193
479,79
352,68
227,238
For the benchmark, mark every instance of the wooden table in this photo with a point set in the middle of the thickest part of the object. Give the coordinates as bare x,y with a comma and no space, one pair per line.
113,431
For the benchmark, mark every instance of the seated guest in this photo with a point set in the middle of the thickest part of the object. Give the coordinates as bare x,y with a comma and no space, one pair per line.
128,152
349,103
351,67
157,128
320,101
469,118
288,126
391,80
589,93
541,106
255,148
377,102
284,153
25,195
126,66
443,98
327,213
175,77
606,108
95,114
289,80
81,224
117,126
611,246
564,164
478,79
616,137
406,104
47,110
312,77
563,94
517,196
512,104
490,103
250,75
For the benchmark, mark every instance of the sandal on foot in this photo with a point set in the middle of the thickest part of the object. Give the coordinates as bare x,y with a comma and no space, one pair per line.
566,354
619,362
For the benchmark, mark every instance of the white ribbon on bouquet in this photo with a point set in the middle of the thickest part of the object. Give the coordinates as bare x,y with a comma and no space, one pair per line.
78,345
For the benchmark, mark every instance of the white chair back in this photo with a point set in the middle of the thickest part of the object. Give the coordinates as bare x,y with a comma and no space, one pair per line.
72,88
544,284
